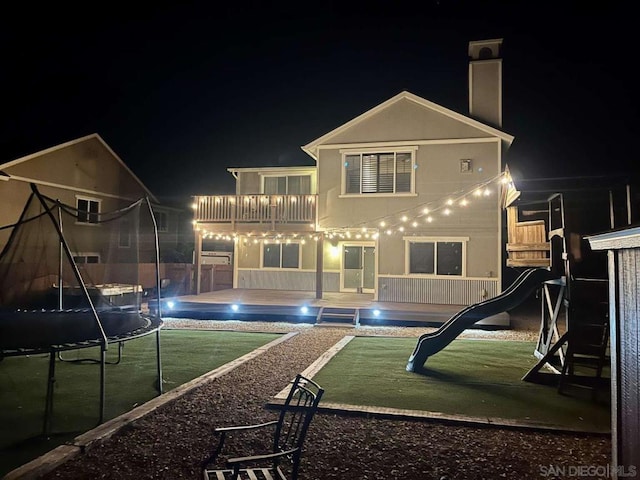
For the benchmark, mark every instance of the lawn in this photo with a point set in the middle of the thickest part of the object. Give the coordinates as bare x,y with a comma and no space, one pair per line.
473,378
186,354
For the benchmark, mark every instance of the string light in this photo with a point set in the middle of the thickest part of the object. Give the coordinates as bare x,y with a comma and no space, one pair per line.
391,223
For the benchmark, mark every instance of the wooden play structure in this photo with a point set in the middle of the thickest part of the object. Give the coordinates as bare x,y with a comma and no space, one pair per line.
547,222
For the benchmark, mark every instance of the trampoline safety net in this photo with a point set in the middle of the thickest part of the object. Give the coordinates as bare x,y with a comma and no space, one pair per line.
94,256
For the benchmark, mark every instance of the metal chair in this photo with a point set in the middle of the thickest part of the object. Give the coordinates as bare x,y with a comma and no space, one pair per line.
288,436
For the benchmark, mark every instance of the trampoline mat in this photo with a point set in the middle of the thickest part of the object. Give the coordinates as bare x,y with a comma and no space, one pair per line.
40,329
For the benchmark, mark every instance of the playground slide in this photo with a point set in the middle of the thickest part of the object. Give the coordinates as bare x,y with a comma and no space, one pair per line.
431,343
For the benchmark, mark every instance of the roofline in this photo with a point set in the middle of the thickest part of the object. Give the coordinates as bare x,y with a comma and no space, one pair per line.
311,148
485,42
31,156
262,169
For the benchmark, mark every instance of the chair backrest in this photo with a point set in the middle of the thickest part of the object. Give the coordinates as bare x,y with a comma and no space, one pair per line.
296,415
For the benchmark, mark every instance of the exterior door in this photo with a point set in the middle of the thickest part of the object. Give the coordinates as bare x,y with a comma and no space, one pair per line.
358,268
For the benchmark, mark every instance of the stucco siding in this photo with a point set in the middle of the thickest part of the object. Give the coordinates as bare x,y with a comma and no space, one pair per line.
87,165
436,176
486,102
406,120
445,291
287,280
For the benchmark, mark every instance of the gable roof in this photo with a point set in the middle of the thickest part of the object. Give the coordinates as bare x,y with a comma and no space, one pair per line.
312,147
75,142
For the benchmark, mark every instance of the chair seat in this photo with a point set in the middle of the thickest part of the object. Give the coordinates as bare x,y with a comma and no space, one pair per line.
247,474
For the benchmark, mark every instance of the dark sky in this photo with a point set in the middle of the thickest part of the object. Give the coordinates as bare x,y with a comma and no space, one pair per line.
181,92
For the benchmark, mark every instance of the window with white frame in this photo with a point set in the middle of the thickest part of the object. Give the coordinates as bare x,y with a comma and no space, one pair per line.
287,185
84,258
388,172
88,210
435,256
124,234
161,221
281,255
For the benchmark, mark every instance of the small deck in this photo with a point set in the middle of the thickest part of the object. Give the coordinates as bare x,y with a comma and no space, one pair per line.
287,306
249,213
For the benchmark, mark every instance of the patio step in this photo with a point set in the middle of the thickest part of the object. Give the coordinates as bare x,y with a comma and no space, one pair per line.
338,317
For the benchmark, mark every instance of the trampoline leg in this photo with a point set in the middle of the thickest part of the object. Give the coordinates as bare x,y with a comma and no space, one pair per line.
103,358
158,363
48,407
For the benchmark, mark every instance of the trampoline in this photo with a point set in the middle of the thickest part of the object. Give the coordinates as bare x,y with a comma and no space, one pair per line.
41,270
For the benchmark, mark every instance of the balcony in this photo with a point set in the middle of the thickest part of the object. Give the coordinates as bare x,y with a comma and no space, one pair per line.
246,213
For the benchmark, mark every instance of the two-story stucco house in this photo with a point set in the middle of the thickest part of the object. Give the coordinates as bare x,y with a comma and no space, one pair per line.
403,202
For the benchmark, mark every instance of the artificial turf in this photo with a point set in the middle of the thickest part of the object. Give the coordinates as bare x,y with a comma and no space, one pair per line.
185,354
471,378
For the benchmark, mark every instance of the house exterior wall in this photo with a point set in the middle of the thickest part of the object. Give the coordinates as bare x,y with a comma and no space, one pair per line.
486,96
437,175
82,169
439,144
87,165
406,121
249,181
252,275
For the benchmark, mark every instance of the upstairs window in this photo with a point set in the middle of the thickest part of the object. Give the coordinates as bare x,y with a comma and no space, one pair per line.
124,234
433,256
88,210
84,258
287,185
378,173
161,221
281,255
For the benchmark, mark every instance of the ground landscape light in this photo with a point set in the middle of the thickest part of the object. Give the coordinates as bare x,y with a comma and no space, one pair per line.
376,312
171,304
235,307
304,309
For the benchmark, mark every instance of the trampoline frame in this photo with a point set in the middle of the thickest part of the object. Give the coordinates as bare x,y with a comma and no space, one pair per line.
154,326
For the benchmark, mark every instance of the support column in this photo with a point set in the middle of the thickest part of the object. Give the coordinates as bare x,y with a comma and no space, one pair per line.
198,259
319,265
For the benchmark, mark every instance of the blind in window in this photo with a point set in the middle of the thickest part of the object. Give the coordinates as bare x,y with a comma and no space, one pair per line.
352,171
299,185
369,173
275,185
403,172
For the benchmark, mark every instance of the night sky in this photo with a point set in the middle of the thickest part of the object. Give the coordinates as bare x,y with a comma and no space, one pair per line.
181,92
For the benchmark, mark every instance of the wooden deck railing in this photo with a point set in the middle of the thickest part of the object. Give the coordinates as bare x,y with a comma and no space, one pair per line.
527,243
249,210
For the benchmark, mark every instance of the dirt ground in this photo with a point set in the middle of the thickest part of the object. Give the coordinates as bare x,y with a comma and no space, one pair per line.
172,442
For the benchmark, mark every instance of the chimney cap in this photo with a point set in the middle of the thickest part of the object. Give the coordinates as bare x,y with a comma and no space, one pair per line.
477,46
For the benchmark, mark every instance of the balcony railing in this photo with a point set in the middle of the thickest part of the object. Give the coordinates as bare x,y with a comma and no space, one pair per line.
249,210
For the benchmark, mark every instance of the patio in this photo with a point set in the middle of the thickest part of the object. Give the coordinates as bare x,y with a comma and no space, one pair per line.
287,305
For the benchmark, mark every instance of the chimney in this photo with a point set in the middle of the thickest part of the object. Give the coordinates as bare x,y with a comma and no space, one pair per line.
485,81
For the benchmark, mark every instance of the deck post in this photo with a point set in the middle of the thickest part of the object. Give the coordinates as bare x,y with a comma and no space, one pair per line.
198,260
319,265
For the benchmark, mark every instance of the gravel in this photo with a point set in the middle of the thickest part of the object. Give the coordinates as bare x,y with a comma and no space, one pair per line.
172,441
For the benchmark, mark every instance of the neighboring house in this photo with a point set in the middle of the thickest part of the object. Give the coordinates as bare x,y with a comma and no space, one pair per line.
403,202
175,233
86,174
